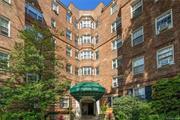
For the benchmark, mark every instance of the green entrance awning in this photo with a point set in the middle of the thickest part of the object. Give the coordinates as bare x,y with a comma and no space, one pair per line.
87,90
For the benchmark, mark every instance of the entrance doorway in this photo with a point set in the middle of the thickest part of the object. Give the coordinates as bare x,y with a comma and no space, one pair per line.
87,108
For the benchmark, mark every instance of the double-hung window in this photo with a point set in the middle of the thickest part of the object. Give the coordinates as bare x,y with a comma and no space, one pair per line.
116,44
53,23
116,62
68,51
69,68
140,93
4,58
138,65
115,25
117,81
114,8
4,26
165,56
55,7
64,102
164,21
137,36
137,8
68,17
68,34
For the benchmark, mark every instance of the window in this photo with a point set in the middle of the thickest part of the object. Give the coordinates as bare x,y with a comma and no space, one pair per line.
140,93
115,25
86,54
116,62
7,1
4,58
32,77
137,36
69,68
87,70
96,71
53,23
138,65
68,34
33,12
76,70
68,17
97,55
87,23
64,102
165,56
68,51
164,21
77,54
86,39
114,8
117,81
137,8
4,26
116,44
55,7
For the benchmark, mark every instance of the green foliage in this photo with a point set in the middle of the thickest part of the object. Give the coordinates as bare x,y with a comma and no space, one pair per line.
130,108
166,95
29,100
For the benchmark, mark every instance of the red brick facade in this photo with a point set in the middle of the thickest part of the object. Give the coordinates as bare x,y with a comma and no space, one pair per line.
103,19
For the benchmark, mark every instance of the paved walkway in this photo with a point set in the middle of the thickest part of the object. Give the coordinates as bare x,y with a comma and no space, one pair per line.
89,118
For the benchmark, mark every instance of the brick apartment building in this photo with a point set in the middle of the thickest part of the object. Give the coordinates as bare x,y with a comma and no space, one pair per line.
124,47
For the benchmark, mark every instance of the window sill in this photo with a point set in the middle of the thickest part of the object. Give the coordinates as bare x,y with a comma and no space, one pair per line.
165,66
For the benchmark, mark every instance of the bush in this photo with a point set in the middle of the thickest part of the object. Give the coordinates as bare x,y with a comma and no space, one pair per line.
165,97
130,108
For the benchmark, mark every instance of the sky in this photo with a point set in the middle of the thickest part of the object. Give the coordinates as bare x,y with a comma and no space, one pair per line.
85,4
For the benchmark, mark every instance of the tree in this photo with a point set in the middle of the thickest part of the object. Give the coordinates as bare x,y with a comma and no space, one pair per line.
130,108
165,97
34,82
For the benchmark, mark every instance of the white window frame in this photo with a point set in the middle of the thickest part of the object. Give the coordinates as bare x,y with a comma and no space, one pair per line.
7,1
114,8
132,35
116,81
70,17
116,62
66,101
161,17
53,23
8,56
115,42
137,92
67,50
8,27
133,62
133,4
55,7
157,56
70,33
